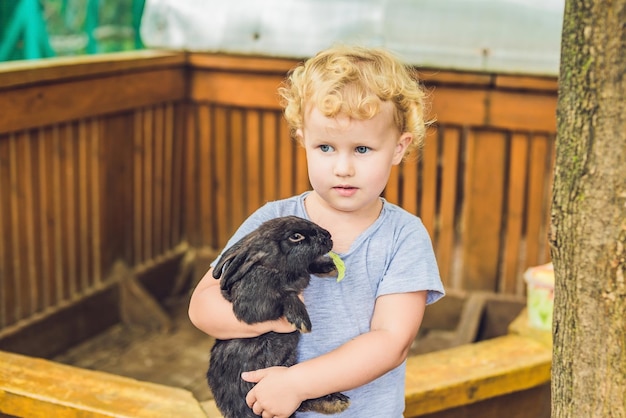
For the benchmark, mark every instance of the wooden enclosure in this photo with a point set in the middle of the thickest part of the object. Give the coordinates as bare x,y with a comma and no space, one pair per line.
137,159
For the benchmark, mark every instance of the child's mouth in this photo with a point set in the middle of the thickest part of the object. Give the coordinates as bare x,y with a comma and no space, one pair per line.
345,191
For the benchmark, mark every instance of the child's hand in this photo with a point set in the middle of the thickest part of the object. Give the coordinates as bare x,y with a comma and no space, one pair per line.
281,325
273,395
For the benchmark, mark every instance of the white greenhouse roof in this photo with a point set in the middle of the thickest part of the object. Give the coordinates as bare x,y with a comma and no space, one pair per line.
511,36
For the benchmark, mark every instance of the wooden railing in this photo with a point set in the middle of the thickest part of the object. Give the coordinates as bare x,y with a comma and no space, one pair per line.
130,157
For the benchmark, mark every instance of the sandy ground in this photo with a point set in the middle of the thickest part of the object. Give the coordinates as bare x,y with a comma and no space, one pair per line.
176,358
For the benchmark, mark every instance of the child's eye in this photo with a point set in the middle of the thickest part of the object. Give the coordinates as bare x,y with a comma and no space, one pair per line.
362,149
325,148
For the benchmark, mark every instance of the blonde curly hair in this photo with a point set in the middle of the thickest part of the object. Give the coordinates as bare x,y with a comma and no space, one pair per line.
355,81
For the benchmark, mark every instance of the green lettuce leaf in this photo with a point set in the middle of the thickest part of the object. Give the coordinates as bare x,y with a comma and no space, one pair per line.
341,267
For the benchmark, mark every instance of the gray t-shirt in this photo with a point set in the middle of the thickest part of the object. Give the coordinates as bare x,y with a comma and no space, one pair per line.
394,255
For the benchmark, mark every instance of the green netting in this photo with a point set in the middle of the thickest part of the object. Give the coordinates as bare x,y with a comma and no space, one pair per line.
32,29
24,33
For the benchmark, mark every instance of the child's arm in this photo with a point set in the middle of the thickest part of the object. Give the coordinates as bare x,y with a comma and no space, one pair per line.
394,326
212,314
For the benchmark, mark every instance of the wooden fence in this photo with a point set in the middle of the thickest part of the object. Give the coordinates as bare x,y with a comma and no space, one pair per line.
90,174
136,157
481,185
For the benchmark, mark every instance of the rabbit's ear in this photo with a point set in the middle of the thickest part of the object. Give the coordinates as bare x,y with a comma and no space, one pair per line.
235,264
239,268
226,259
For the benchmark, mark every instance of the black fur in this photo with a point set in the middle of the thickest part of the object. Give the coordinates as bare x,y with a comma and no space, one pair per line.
262,275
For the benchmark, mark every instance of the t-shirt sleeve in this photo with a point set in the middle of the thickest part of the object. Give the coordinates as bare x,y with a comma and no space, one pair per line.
413,266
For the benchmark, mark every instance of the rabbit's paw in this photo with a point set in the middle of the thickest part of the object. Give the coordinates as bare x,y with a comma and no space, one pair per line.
296,314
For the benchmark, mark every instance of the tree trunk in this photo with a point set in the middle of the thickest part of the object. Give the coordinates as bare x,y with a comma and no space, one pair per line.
588,235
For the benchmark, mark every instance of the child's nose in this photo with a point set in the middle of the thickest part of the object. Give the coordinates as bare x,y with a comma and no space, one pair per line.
344,166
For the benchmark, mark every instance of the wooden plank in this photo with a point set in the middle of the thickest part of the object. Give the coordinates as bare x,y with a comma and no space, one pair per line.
28,245
18,273
509,110
470,373
446,237
69,170
285,175
426,75
35,387
38,272
42,144
538,180
222,179
551,167
482,212
147,212
514,216
168,175
459,106
459,78
429,181
96,178
62,326
254,180
240,63
50,70
178,192
82,249
392,190
521,82
237,166
197,129
12,272
533,402
62,240
5,297
59,248
158,179
138,160
203,182
236,89
44,105
271,173
409,184
469,324
302,174
522,111
114,172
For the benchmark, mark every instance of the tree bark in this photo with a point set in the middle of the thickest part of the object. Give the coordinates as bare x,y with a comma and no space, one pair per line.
588,234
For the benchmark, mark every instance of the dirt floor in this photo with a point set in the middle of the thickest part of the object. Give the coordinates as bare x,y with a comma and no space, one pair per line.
176,358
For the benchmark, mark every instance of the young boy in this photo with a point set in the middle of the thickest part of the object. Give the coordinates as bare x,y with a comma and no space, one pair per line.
357,112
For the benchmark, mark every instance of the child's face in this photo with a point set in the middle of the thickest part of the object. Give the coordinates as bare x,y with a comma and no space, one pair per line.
349,160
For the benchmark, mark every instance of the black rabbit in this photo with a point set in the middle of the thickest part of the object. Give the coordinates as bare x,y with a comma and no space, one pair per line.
263,275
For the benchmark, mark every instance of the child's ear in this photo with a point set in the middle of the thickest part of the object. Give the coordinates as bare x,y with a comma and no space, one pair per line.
403,143
299,136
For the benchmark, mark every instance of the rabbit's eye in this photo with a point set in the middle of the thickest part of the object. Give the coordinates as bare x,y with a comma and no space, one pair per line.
296,237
